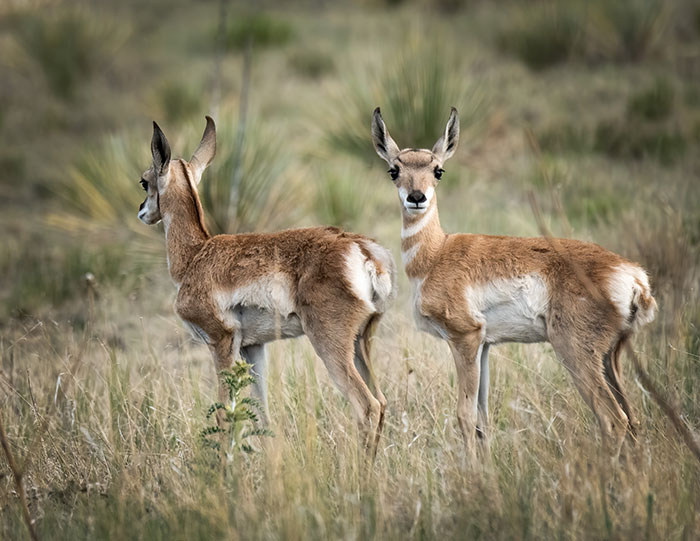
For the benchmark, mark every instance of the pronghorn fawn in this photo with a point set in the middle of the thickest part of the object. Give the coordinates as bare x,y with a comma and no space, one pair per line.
238,292
478,290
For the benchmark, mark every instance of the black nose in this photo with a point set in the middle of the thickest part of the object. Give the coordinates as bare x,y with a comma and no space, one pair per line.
141,205
416,197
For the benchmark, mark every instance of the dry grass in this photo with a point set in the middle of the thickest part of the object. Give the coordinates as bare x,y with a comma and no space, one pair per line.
104,396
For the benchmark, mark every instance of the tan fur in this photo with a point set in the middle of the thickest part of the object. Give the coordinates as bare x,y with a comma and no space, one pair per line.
477,290
237,292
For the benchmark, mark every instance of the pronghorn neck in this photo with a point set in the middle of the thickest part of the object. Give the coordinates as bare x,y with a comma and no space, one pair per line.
185,231
422,238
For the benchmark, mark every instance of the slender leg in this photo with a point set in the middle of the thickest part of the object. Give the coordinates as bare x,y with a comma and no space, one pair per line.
611,363
587,373
466,351
364,367
483,414
338,356
225,351
256,357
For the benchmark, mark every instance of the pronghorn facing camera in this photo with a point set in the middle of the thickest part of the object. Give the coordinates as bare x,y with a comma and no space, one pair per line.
477,290
238,292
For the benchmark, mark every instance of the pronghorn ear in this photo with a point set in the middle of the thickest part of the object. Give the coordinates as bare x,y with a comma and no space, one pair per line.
447,144
383,143
206,150
160,149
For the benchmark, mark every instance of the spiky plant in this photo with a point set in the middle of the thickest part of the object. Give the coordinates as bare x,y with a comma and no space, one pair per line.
239,422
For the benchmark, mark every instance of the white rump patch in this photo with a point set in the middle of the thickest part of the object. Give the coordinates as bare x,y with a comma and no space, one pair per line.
270,292
364,279
627,285
511,309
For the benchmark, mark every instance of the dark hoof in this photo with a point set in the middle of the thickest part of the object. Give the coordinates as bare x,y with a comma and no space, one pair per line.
480,433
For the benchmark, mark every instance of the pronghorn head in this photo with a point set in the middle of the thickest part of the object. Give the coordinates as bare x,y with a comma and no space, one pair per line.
159,176
415,172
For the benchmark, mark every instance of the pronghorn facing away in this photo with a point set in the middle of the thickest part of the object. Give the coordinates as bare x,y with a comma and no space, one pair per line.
238,292
479,290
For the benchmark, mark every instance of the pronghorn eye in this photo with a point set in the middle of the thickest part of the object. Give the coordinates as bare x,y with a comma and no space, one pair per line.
394,172
144,185
438,172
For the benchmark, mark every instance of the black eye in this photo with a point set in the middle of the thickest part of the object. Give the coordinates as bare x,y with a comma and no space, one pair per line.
144,185
394,172
438,173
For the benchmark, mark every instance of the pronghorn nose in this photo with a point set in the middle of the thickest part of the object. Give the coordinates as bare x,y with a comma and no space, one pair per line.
416,197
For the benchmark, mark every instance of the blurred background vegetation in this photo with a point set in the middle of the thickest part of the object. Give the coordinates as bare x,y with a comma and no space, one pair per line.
591,106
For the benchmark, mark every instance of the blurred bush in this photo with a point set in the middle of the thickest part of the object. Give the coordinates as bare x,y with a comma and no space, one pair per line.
344,194
415,93
311,63
262,29
542,34
653,103
546,33
180,101
254,190
68,45
638,25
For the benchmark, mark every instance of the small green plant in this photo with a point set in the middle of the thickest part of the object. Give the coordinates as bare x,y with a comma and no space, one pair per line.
542,35
653,103
261,29
239,422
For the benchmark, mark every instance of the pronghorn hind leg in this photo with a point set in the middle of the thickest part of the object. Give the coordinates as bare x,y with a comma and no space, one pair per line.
364,367
466,350
334,342
483,403
587,373
613,376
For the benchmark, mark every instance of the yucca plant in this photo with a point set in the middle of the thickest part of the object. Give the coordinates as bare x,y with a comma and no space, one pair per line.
239,422
414,90
249,187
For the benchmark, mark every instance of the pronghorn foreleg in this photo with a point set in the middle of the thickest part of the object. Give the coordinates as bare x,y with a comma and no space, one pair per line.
255,356
483,403
225,350
466,350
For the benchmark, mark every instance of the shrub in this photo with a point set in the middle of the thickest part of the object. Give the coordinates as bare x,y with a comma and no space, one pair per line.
179,101
311,63
629,139
653,103
253,189
68,46
415,93
261,29
543,34
564,137
638,26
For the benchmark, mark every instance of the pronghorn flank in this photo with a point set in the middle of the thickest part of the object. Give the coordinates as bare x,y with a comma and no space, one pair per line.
477,290
238,292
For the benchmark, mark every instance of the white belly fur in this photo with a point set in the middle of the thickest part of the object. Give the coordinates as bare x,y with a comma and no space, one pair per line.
511,309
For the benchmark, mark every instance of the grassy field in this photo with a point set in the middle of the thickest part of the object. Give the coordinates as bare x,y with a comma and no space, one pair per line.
592,108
